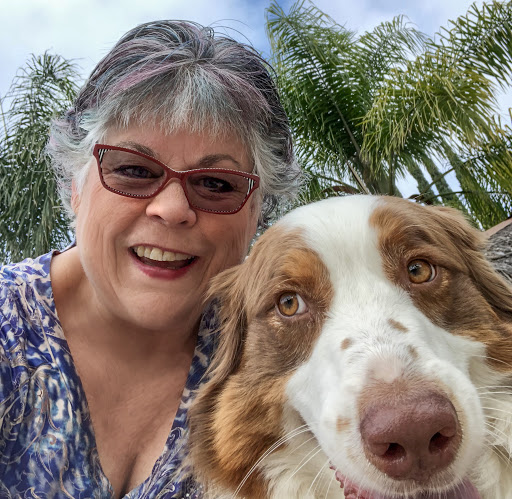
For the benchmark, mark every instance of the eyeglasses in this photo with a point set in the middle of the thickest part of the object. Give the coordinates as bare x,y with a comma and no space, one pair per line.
137,175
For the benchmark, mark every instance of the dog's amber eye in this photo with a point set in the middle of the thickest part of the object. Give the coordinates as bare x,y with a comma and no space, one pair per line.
420,271
290,304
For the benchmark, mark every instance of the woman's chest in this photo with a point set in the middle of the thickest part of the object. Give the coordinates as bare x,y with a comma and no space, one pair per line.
131,435
49,445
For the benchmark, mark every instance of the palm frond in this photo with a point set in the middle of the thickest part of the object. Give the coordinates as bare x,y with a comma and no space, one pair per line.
481,41
33,220
370,109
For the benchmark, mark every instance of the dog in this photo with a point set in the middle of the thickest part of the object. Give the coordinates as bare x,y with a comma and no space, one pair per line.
365,352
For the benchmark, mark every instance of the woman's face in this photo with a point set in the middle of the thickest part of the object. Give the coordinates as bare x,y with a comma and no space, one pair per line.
112,231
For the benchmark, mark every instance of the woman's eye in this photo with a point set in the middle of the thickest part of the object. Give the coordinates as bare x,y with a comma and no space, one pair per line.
135,172
216,184
290,304
420,271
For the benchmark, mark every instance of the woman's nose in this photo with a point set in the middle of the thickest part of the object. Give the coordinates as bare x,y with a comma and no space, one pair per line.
171,205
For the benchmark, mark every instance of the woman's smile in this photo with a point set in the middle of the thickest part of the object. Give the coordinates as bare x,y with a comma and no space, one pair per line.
169,269
156,257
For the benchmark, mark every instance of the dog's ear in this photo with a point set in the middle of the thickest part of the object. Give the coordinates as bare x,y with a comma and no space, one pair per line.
228,289
471,244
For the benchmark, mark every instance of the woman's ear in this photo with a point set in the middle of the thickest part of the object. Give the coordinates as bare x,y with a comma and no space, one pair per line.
75,197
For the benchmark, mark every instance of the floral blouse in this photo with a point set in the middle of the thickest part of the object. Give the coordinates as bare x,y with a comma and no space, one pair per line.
47,443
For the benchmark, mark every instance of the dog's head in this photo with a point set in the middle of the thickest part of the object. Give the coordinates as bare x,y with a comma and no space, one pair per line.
377,327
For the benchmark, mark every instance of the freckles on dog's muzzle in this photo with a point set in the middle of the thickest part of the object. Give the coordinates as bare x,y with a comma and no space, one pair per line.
412,438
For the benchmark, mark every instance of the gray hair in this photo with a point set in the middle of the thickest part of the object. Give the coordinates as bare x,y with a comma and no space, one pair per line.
177,75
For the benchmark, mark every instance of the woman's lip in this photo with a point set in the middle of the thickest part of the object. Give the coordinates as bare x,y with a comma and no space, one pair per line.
162,272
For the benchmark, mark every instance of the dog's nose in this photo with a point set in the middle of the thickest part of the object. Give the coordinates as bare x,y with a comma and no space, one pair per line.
413,437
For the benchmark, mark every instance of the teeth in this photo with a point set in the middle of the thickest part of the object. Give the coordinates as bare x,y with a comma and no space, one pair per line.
156,254
159,255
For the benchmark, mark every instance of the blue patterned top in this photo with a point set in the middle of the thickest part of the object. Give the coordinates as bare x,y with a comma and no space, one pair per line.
47,443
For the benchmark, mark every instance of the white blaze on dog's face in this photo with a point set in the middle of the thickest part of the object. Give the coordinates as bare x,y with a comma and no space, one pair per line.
376,323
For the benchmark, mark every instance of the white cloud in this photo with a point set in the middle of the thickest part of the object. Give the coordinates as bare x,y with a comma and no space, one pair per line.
363,15
87,29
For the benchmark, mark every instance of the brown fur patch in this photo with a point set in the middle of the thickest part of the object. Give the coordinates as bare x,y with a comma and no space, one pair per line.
467,297
346,343
342,424
236,416
397,325
412,352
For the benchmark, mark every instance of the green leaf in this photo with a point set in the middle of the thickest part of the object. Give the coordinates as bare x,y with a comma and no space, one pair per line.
33,220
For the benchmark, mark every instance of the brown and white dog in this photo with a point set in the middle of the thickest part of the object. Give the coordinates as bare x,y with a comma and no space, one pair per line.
363,335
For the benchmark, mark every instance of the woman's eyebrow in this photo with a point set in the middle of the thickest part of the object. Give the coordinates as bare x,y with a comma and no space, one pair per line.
207,161
212,159
128,144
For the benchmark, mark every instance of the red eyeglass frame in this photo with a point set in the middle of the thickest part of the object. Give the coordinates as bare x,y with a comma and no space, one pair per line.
254,180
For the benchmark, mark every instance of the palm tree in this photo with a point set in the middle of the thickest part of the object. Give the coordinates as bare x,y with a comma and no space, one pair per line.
366,110
33,220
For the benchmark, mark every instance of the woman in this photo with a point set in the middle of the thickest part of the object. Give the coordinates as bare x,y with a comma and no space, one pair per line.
176,147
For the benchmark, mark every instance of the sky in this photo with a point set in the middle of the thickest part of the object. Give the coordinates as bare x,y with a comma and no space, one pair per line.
85,30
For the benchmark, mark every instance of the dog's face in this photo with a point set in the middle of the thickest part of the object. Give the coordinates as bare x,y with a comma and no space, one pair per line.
369,335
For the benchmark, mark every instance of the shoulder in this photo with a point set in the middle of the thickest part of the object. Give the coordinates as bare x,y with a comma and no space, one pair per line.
29,278
26,310
23,287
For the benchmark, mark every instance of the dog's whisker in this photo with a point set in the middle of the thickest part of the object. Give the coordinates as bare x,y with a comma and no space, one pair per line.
506,459
493,431
331,481
494,359
495,422
495,416
496,432
492,395
496,409
293,433
310,455
306,442
320,471
493,387
495,437
508,388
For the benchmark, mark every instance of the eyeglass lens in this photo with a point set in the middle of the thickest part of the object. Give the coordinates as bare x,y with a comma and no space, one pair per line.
134,175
